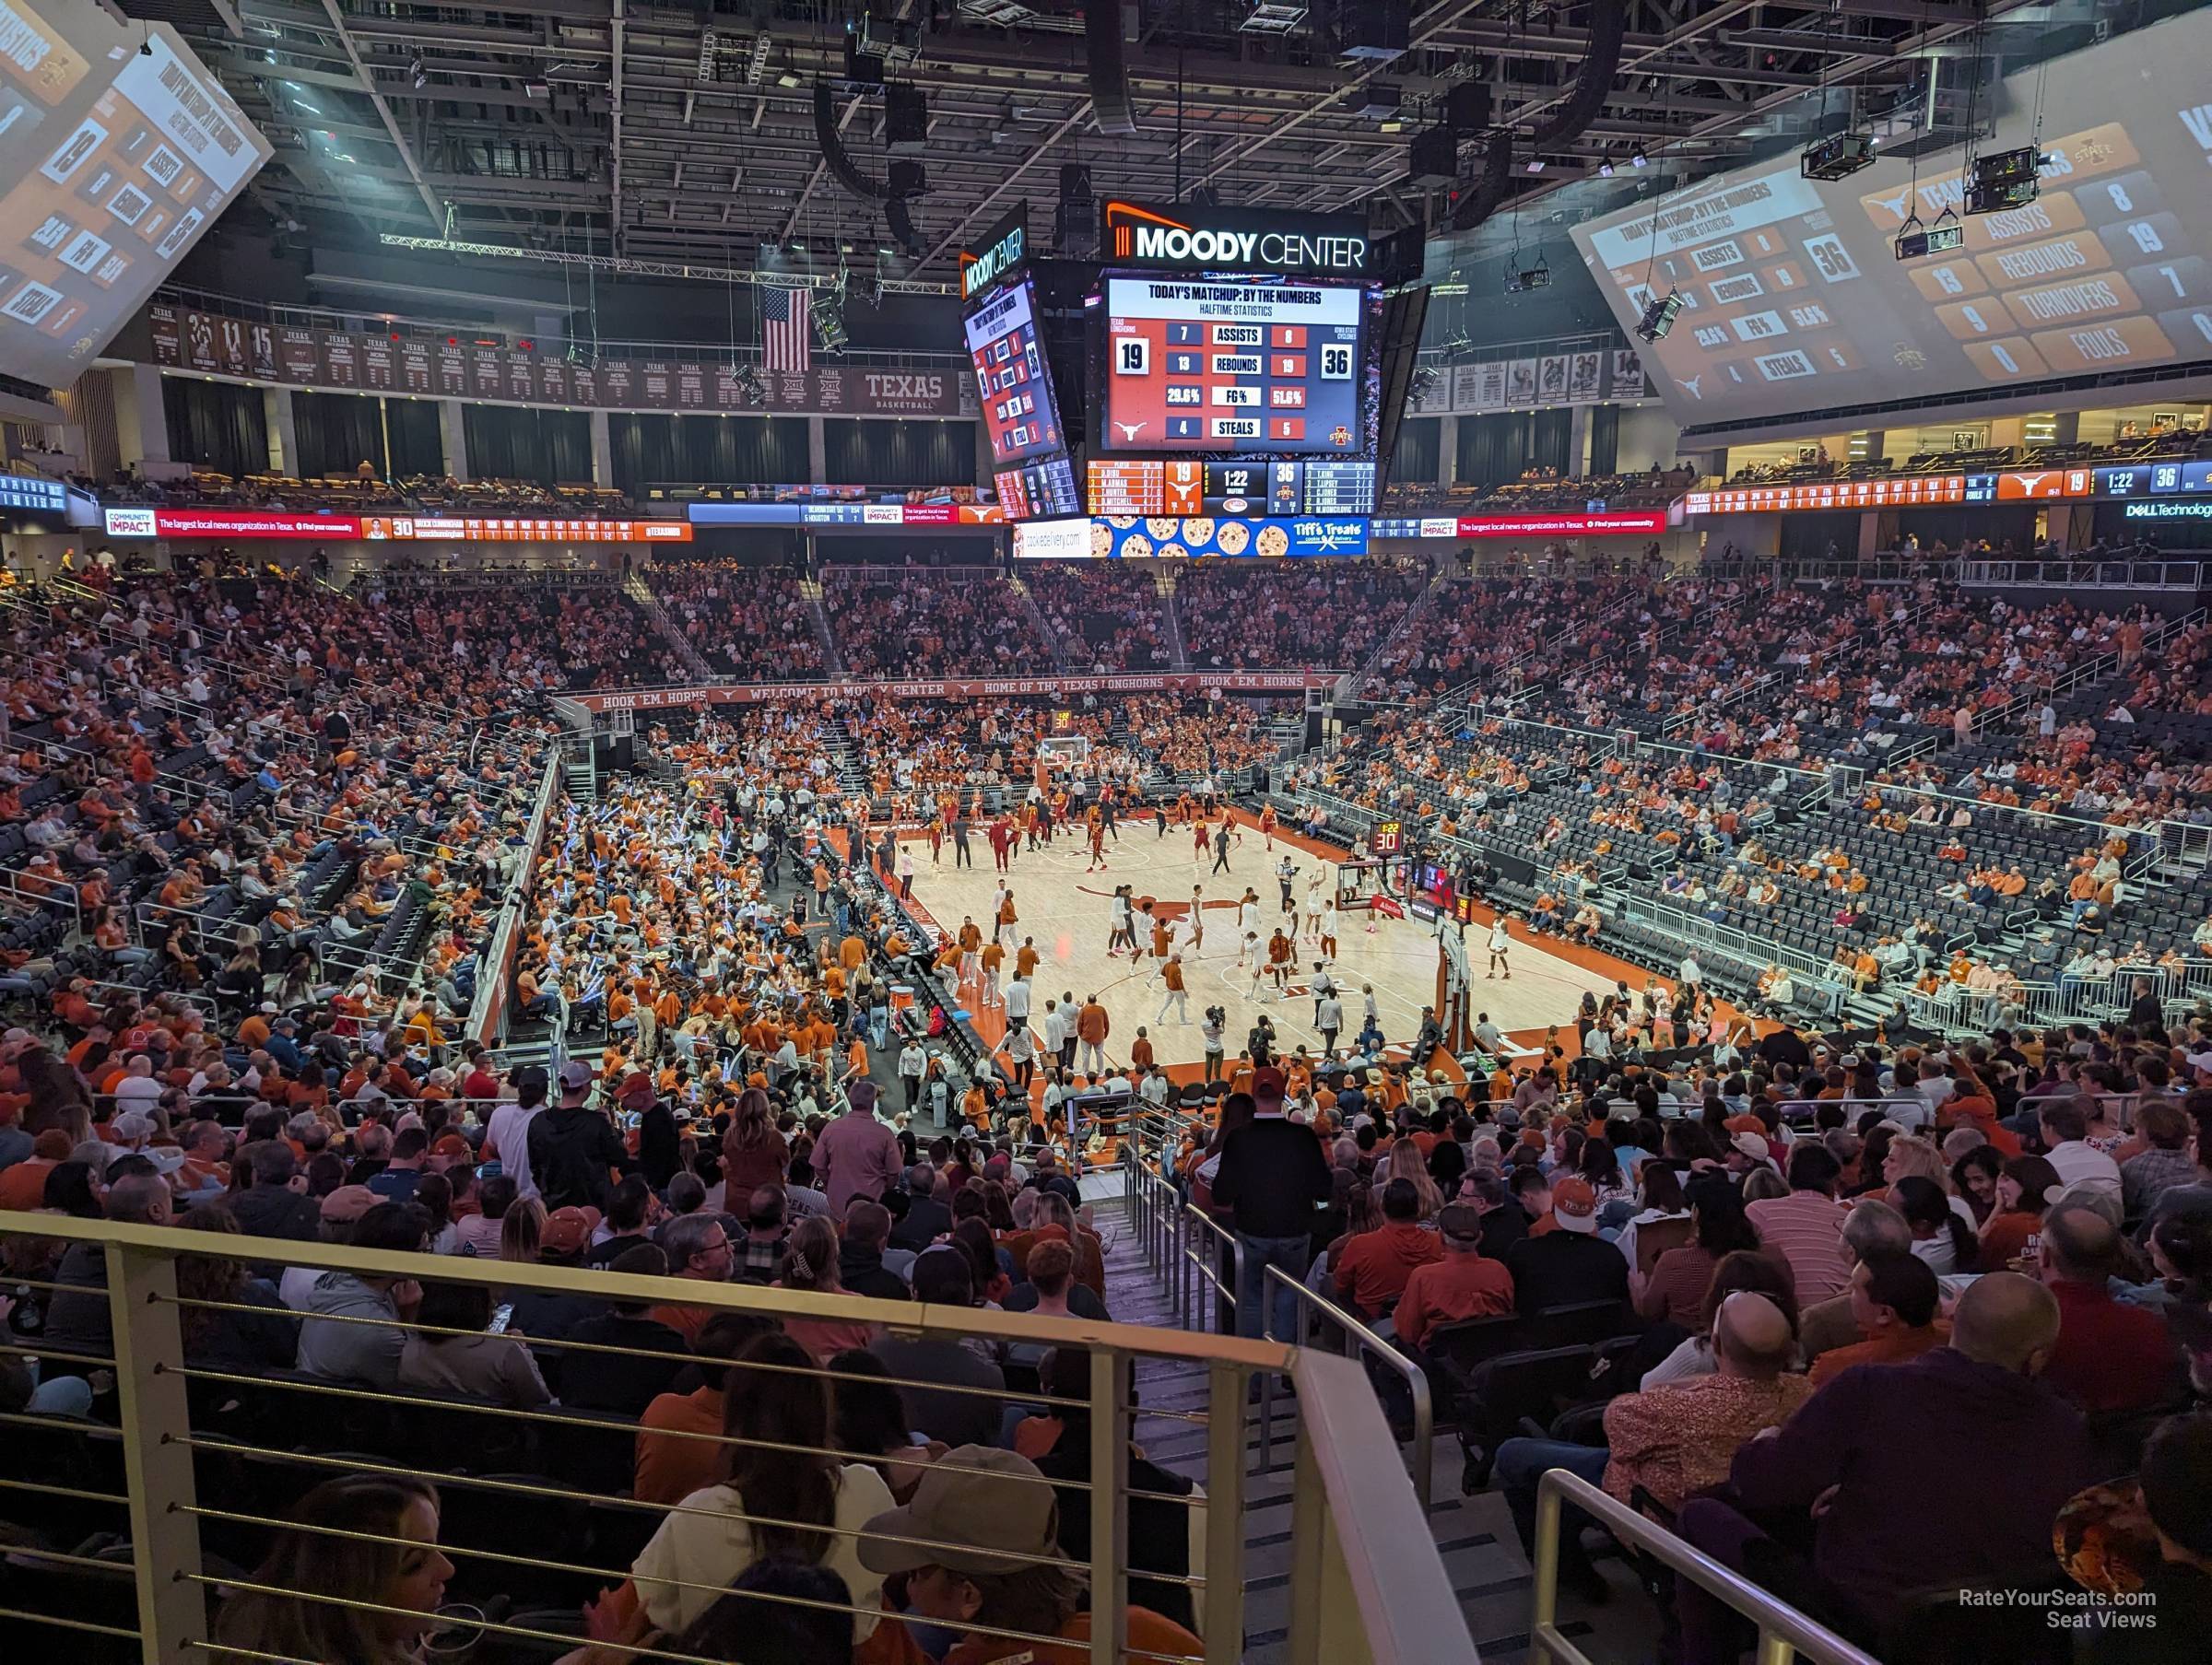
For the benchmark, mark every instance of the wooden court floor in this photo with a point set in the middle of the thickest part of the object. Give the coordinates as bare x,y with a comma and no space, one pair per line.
1067,913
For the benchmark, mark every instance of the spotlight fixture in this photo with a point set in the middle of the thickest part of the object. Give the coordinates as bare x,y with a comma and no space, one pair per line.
418,74
1605,164
1536,164
1637,159
1837,157
2009,178
1659,318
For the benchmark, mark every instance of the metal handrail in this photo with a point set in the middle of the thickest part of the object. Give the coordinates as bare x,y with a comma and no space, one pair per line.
1364,1593
1191,1258
1417,1381
1783,1632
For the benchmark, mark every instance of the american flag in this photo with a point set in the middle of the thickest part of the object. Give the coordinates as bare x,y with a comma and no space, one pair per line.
783,329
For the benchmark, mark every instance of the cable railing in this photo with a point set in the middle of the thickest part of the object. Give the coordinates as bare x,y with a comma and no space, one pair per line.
216,1481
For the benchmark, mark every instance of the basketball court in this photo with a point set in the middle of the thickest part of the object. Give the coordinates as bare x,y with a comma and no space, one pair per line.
1067,912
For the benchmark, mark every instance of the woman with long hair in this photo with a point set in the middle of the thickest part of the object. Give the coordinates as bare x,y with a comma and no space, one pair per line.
783,1492
1974,1181
216,1336
522,1231
1940,1236
871,1421
753,1153
811,1266
391,1564
2025,1190
1659,1189
1681,1278
1405,1162
1362,1212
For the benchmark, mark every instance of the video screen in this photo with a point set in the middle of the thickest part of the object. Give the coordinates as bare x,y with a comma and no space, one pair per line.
118,148
1794,301
1266,367
1019,412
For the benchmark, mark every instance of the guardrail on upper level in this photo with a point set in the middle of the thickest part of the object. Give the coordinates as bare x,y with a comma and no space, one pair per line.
211,1461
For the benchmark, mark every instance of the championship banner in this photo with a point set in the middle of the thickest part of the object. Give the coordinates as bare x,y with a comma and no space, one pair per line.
977,687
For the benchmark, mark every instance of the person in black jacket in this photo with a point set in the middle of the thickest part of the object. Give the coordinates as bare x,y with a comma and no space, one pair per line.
571,1147
1163,1548
270,1207
859,1266
659,1146
1271,1179
1568,1265
623,1381
926,1219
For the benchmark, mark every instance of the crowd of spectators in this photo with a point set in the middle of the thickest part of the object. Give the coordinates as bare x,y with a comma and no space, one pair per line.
727,1129
1497,630
748,621
1321,614
580,627
1102,615
930,621
1540,490
207,793
1800,1273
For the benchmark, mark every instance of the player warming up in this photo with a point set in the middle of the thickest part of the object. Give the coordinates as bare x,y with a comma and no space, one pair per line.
1500,945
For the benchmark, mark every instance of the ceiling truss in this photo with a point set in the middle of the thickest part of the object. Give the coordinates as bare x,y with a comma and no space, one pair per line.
618,126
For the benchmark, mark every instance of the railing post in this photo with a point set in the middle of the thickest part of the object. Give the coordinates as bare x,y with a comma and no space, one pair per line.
165,1535
1109,1388
1544,1569
1225,1515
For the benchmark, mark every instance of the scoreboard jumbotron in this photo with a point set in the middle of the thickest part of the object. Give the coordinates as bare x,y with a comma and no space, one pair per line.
1233,366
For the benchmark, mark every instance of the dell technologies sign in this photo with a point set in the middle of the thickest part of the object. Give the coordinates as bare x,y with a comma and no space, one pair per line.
1174,239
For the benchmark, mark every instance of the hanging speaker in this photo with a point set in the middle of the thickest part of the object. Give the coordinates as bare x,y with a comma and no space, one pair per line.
1467,107
834,155
1108,67
1433,156
908,179
1609,25
905,119
1075,182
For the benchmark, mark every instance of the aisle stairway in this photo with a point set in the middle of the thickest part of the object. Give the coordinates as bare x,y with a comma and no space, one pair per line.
1026,599
833,662
1475,1535
639,592
1179,650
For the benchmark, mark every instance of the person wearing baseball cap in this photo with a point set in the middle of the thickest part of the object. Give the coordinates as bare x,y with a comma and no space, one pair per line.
1465,1285
571,1147
979,1543
1570,1264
